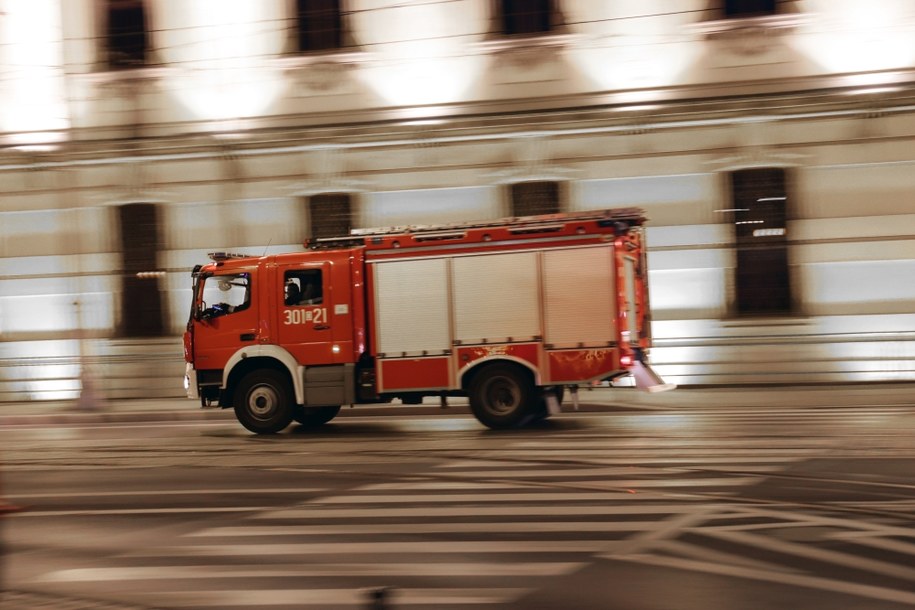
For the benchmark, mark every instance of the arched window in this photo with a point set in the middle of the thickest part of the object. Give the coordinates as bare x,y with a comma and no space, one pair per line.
535,197
320,25
141,301
760,213
526,16
329,215
748,8
126,35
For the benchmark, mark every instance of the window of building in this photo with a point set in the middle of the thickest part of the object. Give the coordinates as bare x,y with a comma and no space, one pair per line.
126,36
320,25
141,301
535,197
330,215
760,204
526,16
749,8
303,287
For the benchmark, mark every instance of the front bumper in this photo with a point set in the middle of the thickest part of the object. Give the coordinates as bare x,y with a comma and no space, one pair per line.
190,381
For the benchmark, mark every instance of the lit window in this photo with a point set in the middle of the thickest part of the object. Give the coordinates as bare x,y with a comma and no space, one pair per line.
320,25
526,16
330,215
127,35
534,198
762,277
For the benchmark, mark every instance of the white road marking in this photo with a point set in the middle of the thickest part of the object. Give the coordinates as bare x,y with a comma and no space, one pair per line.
424,528
134,511
811,582
196,572
382,548
818,554
619,485
321,512
329,597
166,492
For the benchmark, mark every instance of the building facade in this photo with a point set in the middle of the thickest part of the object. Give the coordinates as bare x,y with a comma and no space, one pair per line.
769,141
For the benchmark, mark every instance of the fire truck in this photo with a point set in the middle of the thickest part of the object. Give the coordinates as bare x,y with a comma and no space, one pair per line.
508,313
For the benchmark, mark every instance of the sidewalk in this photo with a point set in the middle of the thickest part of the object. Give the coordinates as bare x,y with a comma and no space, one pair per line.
590,400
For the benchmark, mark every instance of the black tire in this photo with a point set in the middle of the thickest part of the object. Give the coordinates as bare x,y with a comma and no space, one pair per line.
315,416
502,396
263,402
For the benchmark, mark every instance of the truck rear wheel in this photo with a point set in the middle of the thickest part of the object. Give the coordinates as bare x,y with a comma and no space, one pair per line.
314,416
263,402
502,396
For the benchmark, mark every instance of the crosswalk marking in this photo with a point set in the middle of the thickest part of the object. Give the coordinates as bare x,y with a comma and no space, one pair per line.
318,512
780,577
197,572
528,497
424,528
493,529
327,597
437,547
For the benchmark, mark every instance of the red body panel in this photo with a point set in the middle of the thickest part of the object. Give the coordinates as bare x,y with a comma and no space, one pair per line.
529,353
411,374
574,366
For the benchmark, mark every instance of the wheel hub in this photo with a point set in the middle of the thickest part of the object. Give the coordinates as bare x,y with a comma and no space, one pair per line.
262,401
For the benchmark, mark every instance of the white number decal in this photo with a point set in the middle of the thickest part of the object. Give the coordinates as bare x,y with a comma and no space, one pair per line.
318,315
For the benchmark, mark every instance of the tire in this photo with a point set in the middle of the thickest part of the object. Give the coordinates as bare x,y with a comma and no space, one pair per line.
502,396
263,402
315,416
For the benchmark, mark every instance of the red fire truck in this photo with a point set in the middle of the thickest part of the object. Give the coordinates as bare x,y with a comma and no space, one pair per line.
508,313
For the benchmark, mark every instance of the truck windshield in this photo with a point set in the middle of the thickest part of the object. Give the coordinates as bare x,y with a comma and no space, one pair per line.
224,294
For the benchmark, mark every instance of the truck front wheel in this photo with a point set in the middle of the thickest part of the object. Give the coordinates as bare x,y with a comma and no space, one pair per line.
263,402
502,396
315,416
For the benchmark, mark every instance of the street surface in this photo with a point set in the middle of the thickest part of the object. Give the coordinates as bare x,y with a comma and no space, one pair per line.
711,507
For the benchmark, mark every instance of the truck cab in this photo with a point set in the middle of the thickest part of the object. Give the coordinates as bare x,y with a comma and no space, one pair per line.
270,331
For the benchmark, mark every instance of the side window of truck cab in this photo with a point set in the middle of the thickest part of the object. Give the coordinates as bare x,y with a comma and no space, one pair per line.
226,294
302,287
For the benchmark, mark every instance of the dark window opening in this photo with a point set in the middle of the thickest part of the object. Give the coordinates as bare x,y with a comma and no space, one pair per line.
534,198
330,215
127,37
320,25
141,303
748,8
763,285
526,16
303,287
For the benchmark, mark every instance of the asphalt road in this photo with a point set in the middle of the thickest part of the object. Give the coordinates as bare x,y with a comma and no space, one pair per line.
707,508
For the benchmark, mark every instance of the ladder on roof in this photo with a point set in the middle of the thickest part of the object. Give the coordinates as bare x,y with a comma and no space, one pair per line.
519,221
519,224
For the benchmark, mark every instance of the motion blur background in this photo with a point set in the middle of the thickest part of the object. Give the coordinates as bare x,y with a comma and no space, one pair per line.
771,143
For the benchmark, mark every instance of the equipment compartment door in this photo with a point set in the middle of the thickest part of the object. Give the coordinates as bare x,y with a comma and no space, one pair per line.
314,313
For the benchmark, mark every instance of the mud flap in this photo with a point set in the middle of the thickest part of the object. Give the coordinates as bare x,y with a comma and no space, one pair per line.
552,404
647,380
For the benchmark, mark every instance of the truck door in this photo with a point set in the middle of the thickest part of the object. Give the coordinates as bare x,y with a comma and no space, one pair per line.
228,317
314,317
